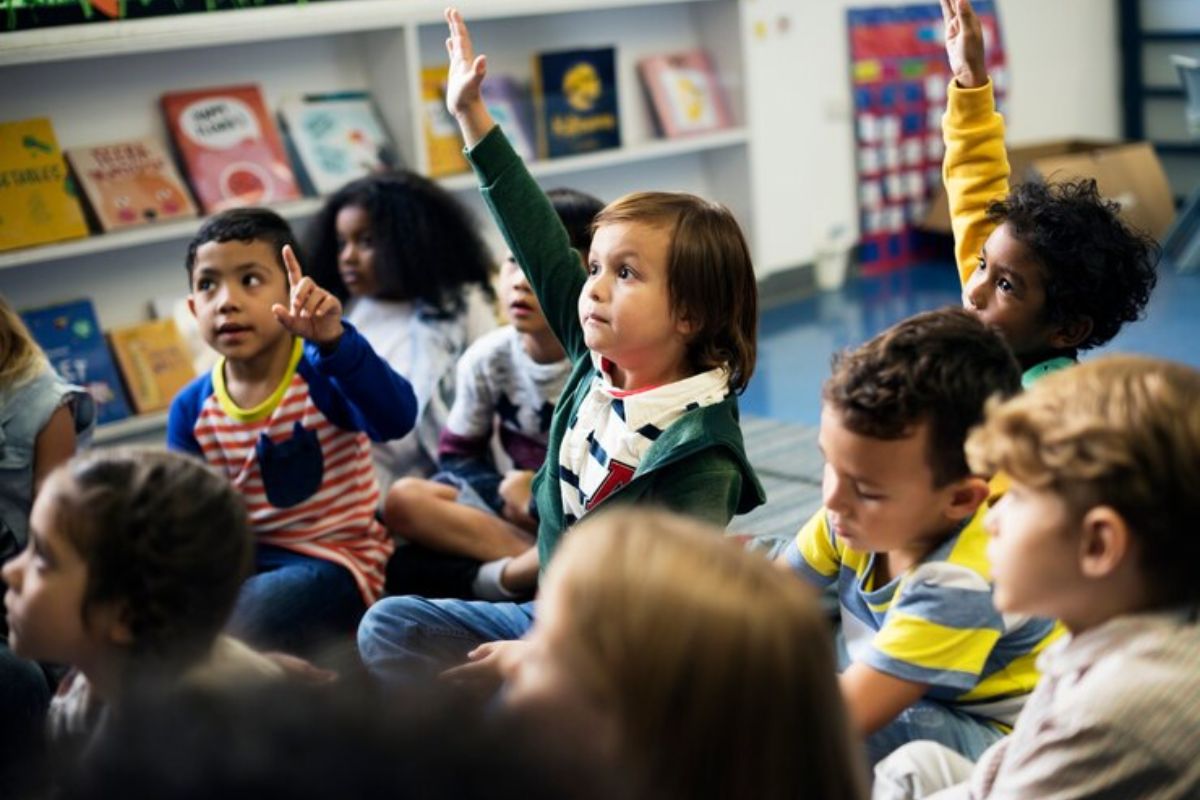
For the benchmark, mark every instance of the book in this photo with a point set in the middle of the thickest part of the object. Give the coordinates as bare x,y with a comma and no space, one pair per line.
575,92
443,142
230,147
175,307
685,93
130,183
336,138
38,200
508,103
154,362
71,338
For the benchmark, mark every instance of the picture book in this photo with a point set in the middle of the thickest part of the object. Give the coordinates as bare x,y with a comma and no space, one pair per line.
38,200
75,346
508,102
130,183
443,143
335,139
685,93
575,92
154,361
230,147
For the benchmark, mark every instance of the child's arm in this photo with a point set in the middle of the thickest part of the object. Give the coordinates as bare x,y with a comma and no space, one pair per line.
532,230
975,169
875,698
55,443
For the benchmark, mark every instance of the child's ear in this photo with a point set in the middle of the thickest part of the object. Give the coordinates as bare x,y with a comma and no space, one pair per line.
191,304
1104,542
966,496
1071,334
111,622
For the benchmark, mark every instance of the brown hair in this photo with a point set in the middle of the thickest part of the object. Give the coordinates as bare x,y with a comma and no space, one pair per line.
161,534
709,275
20,356
938,367
719,667
1120,431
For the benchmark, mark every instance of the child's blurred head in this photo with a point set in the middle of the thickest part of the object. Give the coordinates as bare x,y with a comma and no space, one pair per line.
1104,462
577,211
671,273
895,415
236,274
703,670
1061,272
398,236
134,556
20,356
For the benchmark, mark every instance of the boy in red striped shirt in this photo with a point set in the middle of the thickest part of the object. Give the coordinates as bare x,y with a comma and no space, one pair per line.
288,414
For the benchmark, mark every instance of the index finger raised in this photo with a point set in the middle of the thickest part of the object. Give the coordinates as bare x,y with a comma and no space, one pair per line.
294,274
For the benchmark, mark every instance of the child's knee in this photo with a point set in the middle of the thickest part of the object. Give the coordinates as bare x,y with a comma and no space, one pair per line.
402,503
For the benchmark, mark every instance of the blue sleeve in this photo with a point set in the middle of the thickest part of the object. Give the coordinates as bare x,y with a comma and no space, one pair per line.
185,410
357,390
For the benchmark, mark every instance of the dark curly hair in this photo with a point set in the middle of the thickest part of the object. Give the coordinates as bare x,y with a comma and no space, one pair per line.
1094,265
244,225
427,244
938,367
164,536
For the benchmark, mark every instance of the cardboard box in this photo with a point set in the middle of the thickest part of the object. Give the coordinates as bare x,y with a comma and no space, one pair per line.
1130,174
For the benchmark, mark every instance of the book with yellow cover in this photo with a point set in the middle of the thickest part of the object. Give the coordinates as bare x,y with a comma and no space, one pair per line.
443,142
38,201
154,362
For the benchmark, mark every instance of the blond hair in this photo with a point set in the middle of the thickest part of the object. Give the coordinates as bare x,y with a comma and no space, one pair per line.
710,277
1120,431
719,667
20,357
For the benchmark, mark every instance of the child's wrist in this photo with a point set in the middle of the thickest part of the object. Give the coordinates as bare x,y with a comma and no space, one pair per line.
329,346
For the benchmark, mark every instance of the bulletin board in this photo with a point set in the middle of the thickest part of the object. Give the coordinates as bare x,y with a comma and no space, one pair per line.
899,74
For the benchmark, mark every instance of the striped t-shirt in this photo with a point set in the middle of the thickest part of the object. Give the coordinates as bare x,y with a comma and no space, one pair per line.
934,624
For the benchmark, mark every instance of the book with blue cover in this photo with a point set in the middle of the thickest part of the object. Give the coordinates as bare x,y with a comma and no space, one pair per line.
73,342
576,96
335,138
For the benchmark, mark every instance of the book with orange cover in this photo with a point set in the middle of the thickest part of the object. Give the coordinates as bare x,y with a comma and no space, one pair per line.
38,200
685,93
230,147
154,361
130,183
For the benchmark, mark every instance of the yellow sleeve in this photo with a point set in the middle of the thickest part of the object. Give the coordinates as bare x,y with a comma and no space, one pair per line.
975,169
813,553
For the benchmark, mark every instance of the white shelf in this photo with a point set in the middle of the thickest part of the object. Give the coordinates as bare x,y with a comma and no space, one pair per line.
130,427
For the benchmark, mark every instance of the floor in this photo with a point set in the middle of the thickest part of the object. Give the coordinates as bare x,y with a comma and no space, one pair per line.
796,340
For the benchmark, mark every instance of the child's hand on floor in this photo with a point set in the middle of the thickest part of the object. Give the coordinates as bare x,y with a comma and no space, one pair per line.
964,43
315,314
516,489
487,665
463,97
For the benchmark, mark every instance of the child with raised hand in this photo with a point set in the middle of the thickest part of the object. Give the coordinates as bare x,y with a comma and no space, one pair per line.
1097,529
133,564
510,380
1051,266
901,538
686,664
288,414
661,330
408,261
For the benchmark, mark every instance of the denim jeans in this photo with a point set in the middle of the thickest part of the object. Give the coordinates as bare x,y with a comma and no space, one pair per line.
295,603
403,640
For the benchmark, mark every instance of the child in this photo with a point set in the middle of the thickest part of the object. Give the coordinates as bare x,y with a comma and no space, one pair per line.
691,666
1097,530
513,375
661,331
1053,268
288,422
133,564
901,538
408,258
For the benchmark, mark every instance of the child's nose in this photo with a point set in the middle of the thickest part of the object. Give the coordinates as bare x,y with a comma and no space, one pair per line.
12,571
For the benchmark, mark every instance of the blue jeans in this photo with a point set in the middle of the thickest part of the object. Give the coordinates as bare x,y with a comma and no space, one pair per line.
410,639
295,603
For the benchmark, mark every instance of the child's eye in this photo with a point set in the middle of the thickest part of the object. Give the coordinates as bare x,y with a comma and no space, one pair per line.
980,263
252,280
203,285
1004,285
866,495
593,268
625,273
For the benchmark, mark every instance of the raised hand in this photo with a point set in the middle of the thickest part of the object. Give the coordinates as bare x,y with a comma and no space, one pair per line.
467,70
964,43
315,314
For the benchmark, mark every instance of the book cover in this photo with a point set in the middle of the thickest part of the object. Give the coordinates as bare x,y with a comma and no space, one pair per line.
75,346
38,200
230,147
154,361
575,92
336,138
130,183
685,93
508,103
443,142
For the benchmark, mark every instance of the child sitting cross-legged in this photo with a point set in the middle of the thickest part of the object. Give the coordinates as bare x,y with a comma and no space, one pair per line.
1097,529
926,654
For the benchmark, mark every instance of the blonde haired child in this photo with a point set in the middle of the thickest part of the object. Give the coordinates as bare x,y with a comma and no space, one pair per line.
693,666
